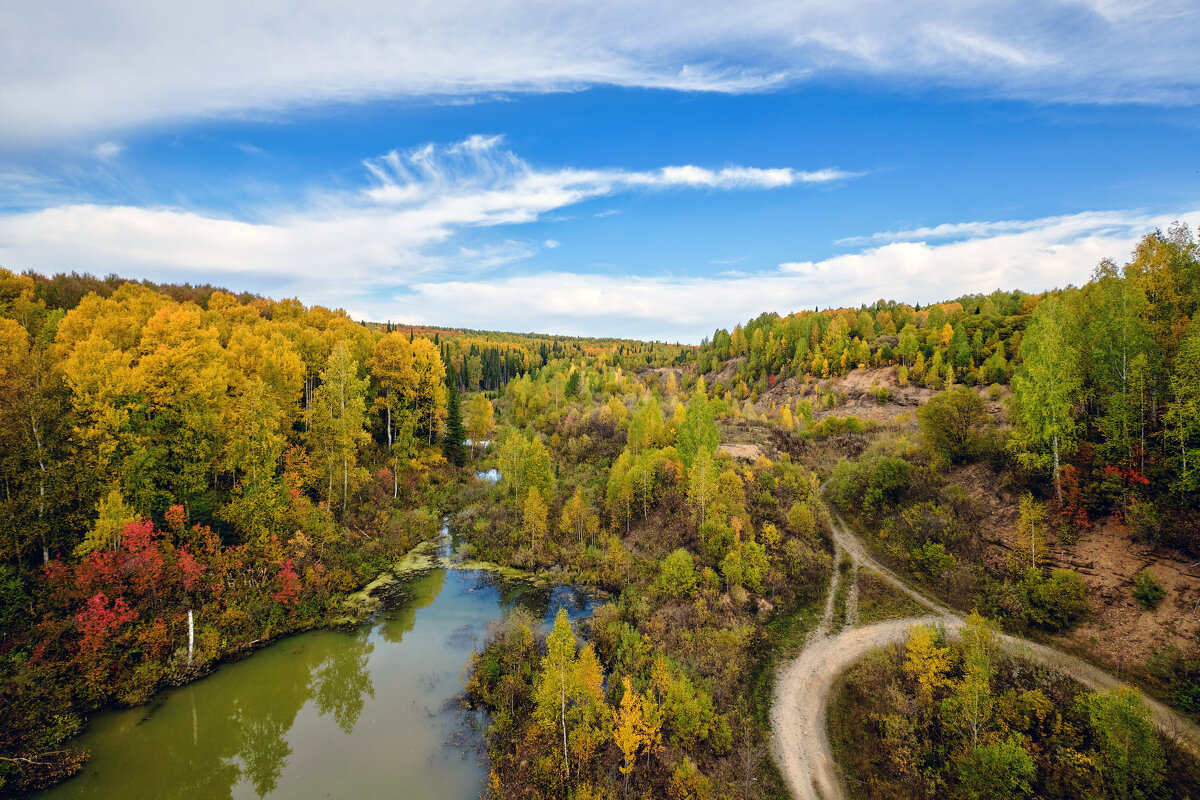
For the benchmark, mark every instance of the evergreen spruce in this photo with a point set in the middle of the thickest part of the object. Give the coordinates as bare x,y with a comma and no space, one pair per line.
452,443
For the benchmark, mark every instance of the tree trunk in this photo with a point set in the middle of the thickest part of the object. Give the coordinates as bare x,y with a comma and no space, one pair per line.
1057,483
645,496
563,700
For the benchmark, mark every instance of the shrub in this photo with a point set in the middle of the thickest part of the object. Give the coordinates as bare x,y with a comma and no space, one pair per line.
1143,520
1130,755
1002,770
1058,602
848,482
677,576
889,477
1148,591
932,559
950,423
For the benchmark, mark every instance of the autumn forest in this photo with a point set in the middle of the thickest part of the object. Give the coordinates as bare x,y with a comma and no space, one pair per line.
188,475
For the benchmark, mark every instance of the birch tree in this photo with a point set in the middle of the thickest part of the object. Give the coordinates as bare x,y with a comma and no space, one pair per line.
1047,387
1183,412
339,416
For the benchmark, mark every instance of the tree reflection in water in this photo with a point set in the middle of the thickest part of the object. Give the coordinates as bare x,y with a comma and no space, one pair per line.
343,682
255,728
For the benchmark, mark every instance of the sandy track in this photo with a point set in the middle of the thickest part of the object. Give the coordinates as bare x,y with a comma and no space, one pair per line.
800,744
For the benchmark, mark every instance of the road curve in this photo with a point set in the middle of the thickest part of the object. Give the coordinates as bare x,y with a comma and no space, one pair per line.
800,744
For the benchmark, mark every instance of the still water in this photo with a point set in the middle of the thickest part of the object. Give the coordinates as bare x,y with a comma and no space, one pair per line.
362,713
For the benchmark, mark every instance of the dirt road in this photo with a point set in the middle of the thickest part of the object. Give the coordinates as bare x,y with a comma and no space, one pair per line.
800,744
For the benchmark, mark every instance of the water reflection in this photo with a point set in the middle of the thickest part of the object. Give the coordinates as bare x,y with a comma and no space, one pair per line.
326,713
344,683
418,593
264,751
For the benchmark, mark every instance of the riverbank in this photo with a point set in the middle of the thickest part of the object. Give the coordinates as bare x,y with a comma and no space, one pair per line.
353,710
167,606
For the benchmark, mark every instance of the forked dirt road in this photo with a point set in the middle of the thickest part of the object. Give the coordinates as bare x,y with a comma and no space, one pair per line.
800,744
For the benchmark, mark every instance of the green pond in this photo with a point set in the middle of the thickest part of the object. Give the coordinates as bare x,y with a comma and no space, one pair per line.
368,712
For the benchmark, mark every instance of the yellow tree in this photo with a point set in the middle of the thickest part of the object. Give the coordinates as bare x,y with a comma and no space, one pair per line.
647,429
629,728
339,415
534,517
615,410
391,364
926,663
99,374
267,355
31,410
183,376
253,453
593,718
619,493
112,516
431,392
702,485
481,418
575,516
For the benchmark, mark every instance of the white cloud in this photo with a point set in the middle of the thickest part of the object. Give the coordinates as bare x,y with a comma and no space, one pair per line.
398,249
72,72
345,246
1061,225
480,182
550,244
1042,254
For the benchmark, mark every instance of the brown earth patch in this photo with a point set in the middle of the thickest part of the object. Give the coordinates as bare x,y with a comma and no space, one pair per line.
746,452
1121,631
853,393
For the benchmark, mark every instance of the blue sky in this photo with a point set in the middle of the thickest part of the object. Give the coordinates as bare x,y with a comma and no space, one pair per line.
623,169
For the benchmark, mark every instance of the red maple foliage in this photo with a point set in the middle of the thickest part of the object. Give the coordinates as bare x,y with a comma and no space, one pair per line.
190,569
289,585
97,621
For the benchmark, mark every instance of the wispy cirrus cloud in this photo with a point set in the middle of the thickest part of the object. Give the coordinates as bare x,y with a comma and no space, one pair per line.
1061,226
399,228
70,71
502,187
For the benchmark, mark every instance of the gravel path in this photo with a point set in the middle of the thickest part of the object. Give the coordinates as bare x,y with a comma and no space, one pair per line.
800,744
